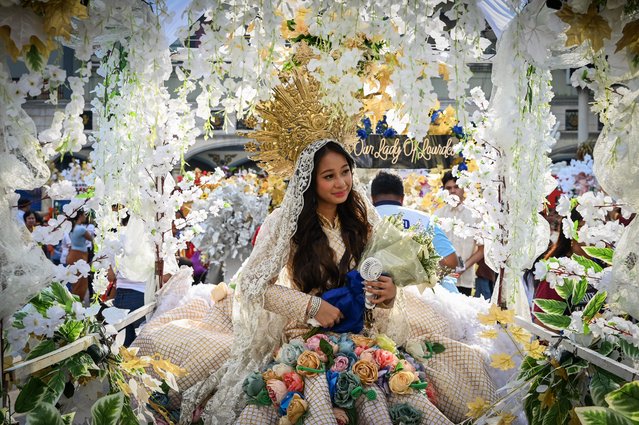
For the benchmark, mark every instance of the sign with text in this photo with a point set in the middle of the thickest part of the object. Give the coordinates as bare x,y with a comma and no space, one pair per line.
401,151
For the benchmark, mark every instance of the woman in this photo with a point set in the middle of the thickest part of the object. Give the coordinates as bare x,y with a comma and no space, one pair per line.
304,249
30,220
79,236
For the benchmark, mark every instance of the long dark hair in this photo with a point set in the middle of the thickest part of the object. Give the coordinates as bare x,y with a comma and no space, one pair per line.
312,265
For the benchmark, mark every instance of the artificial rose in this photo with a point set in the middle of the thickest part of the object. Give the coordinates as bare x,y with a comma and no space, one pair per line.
345,344
309,360
385,343
323,358
296,408
268,375
415,348
282,369
253,384
399,382
362,341
288,353
406,365
340,364
366,370
346,383
293,381
340,416
313,343
404,413
276,390
359,350
384,358
368,355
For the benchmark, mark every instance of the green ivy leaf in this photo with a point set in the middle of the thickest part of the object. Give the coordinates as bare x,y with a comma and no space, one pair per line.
605,348
68,418
594,305
437,348
31,394
44,414
46,346
577,367
128,416
603,254
601,416
565,290
63,296
579,291
79,365
601,384
34,59
107,410
55,386
587,263
551,306
625,400
628,349
554,321
71,330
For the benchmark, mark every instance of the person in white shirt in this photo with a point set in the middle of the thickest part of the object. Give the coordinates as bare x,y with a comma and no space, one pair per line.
468,251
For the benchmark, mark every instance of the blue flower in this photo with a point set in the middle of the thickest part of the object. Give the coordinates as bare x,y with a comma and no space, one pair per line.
345,344
362,134
435,115
390,132
462,166
367,124
459,131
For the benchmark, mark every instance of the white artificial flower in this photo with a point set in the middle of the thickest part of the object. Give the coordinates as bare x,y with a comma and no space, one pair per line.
34,323
55,313
540,270
61,190
55,74
114,315
564,206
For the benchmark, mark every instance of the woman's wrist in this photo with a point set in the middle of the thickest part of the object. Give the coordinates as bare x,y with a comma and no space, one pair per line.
314,306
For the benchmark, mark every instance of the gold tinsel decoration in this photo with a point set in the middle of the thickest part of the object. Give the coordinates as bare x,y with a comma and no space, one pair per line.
293,119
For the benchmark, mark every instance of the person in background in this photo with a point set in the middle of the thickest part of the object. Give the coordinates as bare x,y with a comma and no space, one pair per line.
24,205
387,192
468,251
30,220
133,271
79,236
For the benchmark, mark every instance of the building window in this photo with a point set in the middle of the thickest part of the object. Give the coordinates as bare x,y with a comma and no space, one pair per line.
572,119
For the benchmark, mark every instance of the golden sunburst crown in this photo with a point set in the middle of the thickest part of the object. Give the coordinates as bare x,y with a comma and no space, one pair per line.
294,118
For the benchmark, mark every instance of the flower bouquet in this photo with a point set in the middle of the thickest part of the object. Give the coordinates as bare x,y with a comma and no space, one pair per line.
348,367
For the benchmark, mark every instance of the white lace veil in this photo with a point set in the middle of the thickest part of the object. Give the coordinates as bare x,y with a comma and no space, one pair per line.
257,331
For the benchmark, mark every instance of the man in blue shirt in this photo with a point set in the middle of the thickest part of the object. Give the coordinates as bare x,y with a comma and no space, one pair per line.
387,191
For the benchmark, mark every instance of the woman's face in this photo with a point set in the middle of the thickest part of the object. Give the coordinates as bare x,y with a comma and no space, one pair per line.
30,221
334,179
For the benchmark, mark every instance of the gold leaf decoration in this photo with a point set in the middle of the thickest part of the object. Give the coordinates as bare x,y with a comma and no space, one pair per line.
630,38
293,119
590,26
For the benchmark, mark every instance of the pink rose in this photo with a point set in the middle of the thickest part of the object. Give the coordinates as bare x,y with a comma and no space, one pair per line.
293,382
367,355
359,351
340,364
276,390
407,366
321,356
384,358
313,342
340,416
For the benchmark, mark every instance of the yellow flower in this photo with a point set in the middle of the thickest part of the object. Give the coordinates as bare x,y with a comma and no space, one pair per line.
519,334
477,408
506,418
400,382
535,349
490,334
502,361
366,370
309,360
491,317
385,343
296,408
506,317
362,341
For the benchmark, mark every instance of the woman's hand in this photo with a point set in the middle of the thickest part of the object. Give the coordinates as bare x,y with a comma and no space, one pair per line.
328,315
383,288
